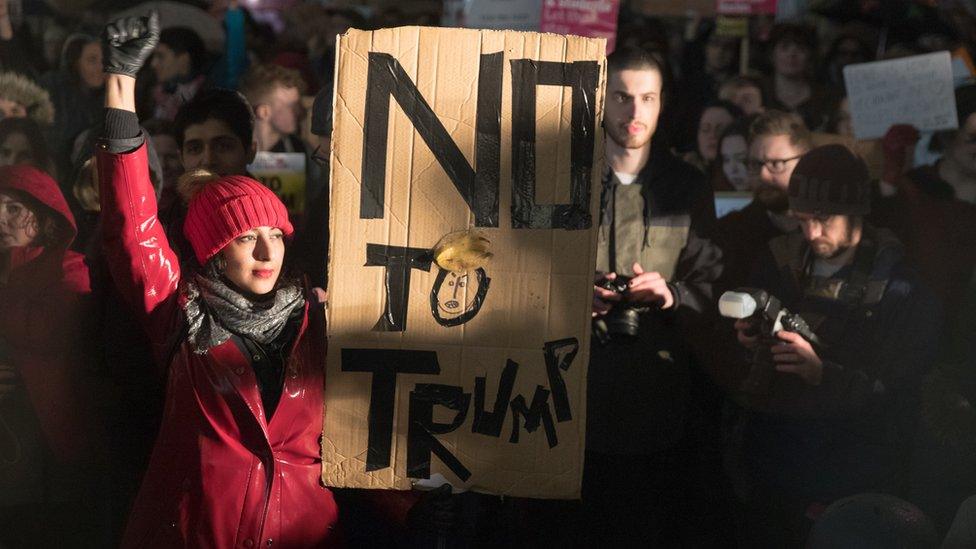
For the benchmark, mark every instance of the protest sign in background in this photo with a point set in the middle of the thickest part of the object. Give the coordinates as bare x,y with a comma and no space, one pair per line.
745,7
593,18
520,15
478,376
283,173
914,90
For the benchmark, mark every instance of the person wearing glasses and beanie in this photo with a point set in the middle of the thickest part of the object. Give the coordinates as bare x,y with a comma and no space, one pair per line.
777,140
837,417
237,460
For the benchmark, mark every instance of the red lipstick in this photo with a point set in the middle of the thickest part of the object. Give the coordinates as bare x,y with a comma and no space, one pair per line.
263,273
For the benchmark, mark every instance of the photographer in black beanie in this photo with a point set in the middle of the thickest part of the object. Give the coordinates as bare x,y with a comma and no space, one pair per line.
836,421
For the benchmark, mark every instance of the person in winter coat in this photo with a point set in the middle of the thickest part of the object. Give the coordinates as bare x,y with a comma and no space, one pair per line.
45,419
236,463
825,419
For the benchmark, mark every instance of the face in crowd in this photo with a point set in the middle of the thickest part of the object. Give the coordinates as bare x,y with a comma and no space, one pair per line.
282,109
772,159
735,153
16,149
89,66
829,235
213,146
719,54
633,106
18,224
169,65
749,99
169,156
712,123
790,59
12,109
253,260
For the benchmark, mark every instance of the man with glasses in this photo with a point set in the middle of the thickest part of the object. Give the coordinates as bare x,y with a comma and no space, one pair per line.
836,416
777,140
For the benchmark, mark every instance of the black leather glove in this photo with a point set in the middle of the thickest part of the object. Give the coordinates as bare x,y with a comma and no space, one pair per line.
128,42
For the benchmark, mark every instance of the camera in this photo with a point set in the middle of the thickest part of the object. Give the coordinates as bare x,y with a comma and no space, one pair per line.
768,316
623,320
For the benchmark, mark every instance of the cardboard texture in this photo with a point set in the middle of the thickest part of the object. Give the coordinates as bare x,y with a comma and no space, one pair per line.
432,372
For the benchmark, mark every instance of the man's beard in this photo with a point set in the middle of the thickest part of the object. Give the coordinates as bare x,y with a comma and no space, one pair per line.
621,137
841,248
774,198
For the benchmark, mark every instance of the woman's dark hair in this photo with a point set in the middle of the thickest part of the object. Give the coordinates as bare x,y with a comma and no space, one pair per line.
802,35
29,129
71,53
51,229
228,106
185,40
739,127
728,106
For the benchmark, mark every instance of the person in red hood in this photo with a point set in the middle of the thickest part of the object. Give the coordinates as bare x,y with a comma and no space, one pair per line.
46,428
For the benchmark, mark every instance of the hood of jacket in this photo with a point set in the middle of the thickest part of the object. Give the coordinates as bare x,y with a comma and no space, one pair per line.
34,183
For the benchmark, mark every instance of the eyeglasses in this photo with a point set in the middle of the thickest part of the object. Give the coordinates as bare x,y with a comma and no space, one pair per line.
774,165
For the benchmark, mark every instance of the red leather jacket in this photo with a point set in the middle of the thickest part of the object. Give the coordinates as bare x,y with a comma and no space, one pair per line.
221,474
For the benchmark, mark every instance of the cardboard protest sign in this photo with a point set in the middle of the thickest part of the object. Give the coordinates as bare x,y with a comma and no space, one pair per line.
593,18
745,7
914,90
520,15
476,375
283,173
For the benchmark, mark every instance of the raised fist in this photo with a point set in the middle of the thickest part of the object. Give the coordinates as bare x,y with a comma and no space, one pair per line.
128,42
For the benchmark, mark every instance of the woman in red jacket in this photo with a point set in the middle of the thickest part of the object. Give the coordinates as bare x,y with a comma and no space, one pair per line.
236,463
44,420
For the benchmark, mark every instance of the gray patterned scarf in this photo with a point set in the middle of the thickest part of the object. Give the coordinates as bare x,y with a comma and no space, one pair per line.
214,311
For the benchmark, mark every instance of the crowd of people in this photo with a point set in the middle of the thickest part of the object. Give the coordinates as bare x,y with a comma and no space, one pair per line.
798,372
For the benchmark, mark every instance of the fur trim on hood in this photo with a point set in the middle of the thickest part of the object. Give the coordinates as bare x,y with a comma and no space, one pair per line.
20,89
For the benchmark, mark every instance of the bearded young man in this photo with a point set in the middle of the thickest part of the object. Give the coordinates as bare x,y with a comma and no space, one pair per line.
777,140
636,485
837,417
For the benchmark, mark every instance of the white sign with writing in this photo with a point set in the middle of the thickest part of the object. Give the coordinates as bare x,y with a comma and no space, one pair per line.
522,15
915,90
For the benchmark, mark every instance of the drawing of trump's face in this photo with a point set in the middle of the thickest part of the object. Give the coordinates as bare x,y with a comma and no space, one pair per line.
457,297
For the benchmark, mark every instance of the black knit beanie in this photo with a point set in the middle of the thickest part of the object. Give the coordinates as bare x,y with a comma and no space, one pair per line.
830,180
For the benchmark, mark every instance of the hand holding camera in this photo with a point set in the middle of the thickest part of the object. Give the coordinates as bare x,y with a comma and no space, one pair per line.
781,341
605,293
619,300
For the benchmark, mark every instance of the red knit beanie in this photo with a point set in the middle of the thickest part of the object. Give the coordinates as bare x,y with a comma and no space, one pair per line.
225,208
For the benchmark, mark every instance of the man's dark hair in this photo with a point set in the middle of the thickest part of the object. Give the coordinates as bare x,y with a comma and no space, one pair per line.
228,106
185,40
637,58
802,35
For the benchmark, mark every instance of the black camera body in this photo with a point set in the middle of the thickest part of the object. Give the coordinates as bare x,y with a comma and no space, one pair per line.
768,316
623,320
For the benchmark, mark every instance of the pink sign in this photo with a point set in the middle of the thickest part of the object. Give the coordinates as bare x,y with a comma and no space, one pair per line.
745,7
590,18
